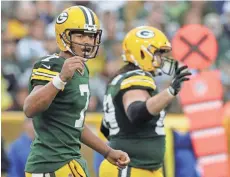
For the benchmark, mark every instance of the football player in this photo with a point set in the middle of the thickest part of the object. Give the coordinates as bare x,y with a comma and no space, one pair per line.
134,109
59,97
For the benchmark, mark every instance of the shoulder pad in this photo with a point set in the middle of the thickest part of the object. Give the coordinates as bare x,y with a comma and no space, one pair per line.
138,79
46,68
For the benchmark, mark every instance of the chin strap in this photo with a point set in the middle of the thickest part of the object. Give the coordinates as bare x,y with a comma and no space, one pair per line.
67,47
74,54
134,60
70,50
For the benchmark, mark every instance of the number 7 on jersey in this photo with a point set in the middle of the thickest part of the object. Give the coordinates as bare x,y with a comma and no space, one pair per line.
84,88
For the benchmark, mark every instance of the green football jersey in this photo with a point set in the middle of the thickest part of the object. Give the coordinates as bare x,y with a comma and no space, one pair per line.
144,143
58,129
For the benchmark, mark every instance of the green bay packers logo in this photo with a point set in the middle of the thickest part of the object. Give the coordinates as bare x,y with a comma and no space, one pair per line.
62,18
144,33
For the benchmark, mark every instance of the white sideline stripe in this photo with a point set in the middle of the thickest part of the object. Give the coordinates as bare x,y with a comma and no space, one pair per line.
212,159
208,132
201,106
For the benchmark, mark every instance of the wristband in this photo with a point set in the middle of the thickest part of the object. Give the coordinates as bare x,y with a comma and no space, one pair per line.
107,153
58,83
171,91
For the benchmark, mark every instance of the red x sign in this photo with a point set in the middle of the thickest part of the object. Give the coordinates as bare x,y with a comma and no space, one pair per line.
195,45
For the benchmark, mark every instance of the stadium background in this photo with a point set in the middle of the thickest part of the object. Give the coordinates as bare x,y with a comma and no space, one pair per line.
28,33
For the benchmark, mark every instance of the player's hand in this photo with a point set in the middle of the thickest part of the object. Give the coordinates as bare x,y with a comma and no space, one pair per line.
181,75
118,158
70,66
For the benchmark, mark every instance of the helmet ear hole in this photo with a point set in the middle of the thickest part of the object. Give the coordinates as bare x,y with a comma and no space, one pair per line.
68,34
65,38
142,55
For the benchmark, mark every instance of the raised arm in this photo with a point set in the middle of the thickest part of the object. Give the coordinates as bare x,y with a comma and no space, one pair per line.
42,95
140,107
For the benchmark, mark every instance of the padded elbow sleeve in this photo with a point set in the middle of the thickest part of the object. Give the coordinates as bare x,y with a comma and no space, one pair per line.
137,113
104,130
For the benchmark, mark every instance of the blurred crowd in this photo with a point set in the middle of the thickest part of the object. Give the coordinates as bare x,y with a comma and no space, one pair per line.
28,33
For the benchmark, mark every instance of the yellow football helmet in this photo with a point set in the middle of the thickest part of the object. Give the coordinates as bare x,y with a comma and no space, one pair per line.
77,19
143,47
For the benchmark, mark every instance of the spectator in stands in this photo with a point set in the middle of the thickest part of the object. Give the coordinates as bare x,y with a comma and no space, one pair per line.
19,150
98,84
226,17
22,91
185,160
46,11
23,14
6,103
156,16
32,46
50,41
97,65
194,14
4,160
10,67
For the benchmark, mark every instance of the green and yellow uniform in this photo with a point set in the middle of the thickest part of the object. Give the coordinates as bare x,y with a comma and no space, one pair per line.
144,143
56,148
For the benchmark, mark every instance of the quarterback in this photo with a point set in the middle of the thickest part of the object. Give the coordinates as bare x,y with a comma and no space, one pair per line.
59,97
134,109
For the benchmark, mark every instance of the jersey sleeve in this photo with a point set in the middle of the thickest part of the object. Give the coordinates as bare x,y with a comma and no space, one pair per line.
43,72
138,82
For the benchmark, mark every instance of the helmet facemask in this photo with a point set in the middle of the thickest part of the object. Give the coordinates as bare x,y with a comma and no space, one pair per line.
90,51
165,64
